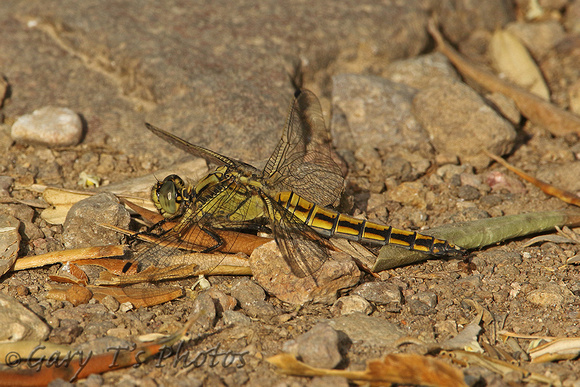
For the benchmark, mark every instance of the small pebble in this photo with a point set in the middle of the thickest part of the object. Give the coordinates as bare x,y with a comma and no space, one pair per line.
49,126
94,380
111,303
247,291
82,227
352,304
5,185
329,381
125,307
204,312
319,347
252,299
468,192
67,331
545,297
232,317
419,308
367,330
382,293
223,301
429,298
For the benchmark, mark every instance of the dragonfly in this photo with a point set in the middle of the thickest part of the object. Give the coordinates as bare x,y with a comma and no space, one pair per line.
289,197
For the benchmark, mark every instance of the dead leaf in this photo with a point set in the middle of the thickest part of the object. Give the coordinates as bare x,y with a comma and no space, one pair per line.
138,297
69,256
498,366
395,368
510,57
549,189
192,264
70,273
562,348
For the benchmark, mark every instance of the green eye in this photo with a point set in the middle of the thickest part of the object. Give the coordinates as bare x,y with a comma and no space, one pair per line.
168,194
167,200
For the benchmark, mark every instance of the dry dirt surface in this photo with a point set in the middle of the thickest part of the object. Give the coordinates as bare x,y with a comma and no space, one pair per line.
406,125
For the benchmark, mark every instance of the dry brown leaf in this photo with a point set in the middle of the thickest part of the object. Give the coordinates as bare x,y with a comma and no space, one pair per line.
70,274
549,189
191,265
60,201
115,266
138,297
498,366
395,368
69,256
510,57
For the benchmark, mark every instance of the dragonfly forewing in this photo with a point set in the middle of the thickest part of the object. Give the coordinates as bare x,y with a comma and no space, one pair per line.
302,160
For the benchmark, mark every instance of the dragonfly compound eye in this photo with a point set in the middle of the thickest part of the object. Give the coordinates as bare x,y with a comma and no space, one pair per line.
168,195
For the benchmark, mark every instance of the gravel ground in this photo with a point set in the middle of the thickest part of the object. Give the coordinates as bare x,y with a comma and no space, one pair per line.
406,125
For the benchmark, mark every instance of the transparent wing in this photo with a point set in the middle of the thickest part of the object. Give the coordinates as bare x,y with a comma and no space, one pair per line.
301,161
302,248
209,155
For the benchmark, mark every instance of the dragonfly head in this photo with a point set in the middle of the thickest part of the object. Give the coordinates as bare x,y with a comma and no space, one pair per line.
169,195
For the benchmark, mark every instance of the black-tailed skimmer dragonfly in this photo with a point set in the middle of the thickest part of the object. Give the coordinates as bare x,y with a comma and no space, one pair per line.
287,197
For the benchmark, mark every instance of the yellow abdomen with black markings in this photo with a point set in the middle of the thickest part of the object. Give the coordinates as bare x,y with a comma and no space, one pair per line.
331,223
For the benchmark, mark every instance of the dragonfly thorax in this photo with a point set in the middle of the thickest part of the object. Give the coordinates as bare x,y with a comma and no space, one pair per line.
168,195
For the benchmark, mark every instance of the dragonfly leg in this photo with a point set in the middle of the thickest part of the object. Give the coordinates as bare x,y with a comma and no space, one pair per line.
149,231
219,242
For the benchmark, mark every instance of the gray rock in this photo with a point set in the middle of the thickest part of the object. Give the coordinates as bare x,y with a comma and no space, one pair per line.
352,304
367,330
379,292
273,274
204,312
232,317
252,299
82,225
50,126
429,298
19,323
5,185
111,303
539,37
420,308
67,331
25,214
94,380
421,71
550,296
463,17
459,122
468,192
372,111
260,308
9,242
247,291
562,175
319,347
222,301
